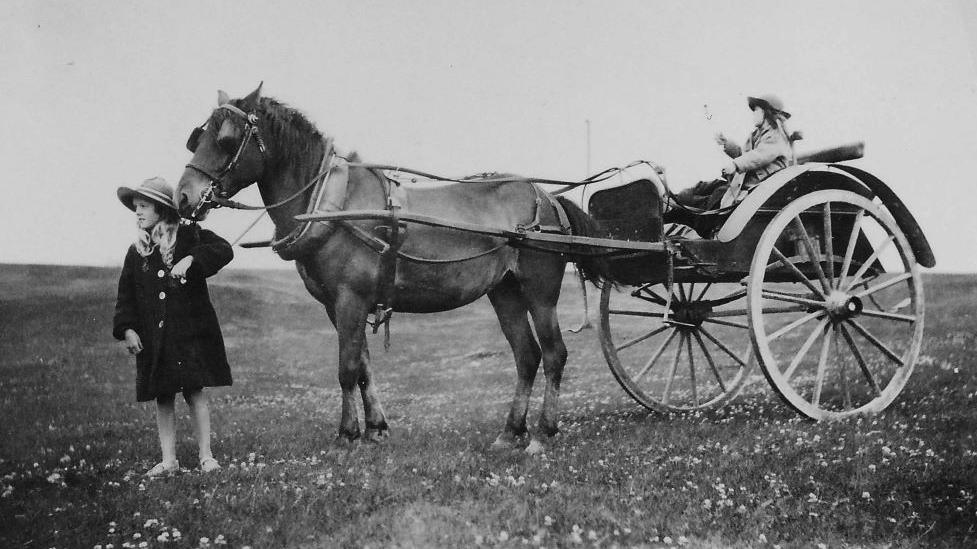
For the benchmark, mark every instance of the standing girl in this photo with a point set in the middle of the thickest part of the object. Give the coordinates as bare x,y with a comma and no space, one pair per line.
164,316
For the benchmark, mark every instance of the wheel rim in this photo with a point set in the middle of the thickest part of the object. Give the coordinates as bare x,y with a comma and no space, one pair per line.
850,346
650,357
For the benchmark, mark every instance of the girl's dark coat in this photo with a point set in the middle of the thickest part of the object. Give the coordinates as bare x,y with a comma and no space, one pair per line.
183,348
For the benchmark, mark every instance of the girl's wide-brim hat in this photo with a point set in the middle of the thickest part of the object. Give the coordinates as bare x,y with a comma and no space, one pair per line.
155,189
768,101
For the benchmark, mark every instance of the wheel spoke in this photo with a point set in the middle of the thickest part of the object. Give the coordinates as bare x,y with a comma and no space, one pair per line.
727,299
785,309
797,272
770,294
843,371
802,352
868,263
891,282
649,299
727,323
641,338
688,343
666,394
712,363
875,341
703,292
651,295
722,346
822,367
850,250
813,255
681,292
766,310
800,321
728,313
635,313
889,316
730,297
656,355
860,360
829,246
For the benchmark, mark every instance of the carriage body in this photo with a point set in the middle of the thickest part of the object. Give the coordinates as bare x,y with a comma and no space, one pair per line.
818,256
633,212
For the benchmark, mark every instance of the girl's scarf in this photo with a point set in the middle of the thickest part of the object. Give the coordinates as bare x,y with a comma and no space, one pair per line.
162,236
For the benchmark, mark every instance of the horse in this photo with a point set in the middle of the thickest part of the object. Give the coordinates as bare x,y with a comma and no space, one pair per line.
260,140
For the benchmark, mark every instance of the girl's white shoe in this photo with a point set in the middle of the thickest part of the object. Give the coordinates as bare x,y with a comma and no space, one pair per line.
208,465
163,468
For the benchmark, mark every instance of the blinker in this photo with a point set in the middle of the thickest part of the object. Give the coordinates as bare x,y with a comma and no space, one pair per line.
194,138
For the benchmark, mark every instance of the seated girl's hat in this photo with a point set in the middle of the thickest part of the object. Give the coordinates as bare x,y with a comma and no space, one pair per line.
768,101
155,189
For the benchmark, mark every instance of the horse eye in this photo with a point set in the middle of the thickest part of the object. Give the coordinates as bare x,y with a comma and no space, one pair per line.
228,143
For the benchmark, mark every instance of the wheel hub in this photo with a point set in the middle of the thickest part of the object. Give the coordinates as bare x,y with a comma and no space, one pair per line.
842,306
692,314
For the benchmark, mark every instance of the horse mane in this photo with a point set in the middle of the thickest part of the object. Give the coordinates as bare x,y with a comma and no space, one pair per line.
284,128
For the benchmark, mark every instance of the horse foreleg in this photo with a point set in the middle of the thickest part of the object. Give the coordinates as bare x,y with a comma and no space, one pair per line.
350,322
510,307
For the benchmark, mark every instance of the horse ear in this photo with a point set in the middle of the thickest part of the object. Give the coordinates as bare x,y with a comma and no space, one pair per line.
254,96
222,98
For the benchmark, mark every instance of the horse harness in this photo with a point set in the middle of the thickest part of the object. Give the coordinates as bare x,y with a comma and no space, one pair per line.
330,192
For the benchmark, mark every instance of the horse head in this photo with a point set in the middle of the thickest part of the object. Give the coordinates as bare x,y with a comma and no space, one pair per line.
229,154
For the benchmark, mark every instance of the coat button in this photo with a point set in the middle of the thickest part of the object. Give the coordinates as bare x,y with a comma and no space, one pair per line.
160,323
162,295
160,274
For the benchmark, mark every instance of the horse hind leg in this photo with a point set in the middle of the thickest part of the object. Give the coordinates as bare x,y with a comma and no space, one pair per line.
510,307
543,295
376,420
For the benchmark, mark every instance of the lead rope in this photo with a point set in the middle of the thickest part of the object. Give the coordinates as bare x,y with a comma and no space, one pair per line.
251,226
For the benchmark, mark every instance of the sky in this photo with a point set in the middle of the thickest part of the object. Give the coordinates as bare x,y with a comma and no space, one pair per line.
97,95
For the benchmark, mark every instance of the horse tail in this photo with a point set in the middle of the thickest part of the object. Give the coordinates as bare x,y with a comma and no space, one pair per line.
593,268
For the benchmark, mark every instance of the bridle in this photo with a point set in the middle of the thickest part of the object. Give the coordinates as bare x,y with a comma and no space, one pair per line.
216,193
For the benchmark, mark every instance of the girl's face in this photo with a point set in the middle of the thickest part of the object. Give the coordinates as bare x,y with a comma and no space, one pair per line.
146,215
757,116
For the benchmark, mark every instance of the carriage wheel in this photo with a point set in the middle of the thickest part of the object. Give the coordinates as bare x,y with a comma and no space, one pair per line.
697,357
850,343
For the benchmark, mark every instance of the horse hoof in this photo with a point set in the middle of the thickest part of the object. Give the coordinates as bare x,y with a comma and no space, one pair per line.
345,440
503,442
535,447
376,435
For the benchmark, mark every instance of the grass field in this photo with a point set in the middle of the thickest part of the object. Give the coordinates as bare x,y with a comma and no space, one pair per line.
73,443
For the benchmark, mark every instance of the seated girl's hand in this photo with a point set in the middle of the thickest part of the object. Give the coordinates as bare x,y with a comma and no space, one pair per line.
729,168
132,342
180,269
721,140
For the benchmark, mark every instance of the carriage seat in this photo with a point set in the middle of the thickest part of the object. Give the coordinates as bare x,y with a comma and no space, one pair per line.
629,206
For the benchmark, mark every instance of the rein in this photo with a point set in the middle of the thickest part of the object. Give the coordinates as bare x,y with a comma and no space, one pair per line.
596,178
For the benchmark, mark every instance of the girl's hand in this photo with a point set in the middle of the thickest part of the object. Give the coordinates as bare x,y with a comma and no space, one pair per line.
729,168
180,269
132,342
721,140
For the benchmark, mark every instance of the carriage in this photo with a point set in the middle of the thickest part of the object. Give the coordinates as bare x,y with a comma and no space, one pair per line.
814,276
